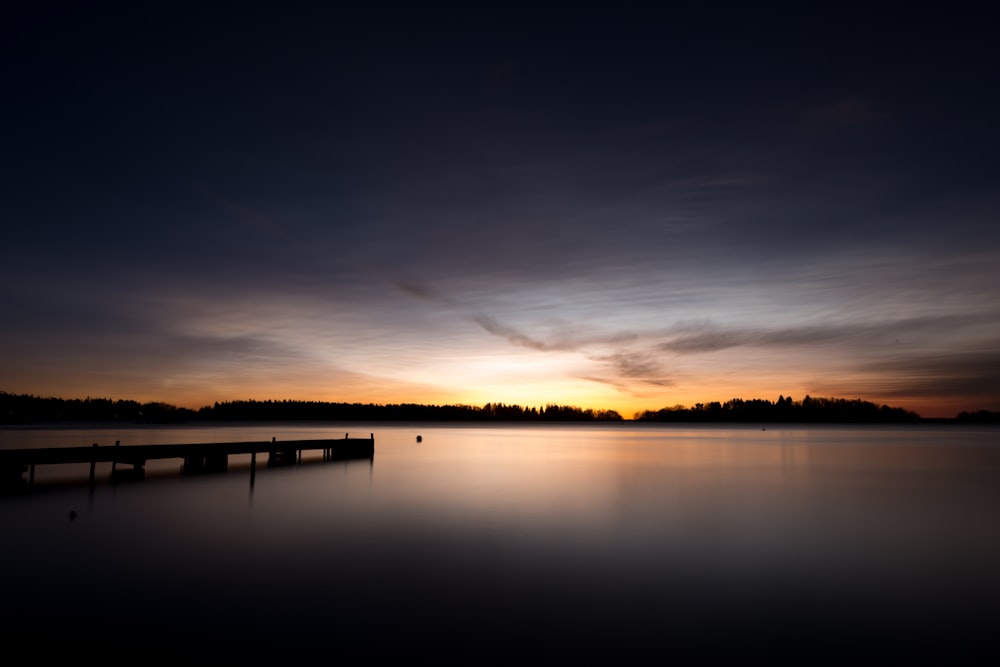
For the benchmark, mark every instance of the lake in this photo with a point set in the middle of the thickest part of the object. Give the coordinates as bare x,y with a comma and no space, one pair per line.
593,543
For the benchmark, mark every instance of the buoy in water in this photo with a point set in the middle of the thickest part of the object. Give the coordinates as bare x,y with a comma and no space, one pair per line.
419,439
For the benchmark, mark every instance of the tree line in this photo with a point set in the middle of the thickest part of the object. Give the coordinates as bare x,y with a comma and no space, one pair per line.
809,409
251,410
28,409
979,417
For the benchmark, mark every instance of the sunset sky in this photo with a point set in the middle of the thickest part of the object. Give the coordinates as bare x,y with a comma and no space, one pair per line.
618,209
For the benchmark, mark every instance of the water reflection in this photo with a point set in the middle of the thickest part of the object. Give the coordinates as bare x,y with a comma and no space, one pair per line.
537,545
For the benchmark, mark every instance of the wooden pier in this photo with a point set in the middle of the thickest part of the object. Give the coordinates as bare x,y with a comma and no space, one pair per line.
198,457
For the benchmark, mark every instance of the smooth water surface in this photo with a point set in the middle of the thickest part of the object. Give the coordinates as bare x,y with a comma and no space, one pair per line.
556,544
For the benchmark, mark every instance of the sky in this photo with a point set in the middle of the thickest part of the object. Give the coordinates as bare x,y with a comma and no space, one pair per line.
618,206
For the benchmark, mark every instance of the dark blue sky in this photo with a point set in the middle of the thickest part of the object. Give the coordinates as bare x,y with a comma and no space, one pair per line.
627,206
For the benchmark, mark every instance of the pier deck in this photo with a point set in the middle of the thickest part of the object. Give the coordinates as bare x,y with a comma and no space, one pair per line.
197,457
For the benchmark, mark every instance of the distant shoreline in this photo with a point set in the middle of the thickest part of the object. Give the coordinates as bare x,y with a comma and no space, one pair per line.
25,409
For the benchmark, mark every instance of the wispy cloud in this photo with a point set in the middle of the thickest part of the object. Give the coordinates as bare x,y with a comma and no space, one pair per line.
631,387
559,341
967,374
515,337
701,338
643,362
635,365
624,365
417,291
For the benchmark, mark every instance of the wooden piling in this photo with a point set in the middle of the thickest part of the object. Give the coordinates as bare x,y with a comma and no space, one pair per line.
93,464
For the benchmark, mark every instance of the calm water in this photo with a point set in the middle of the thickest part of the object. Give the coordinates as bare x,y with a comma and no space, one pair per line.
555,545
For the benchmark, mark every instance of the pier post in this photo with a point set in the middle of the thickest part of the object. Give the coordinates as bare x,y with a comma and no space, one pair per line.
253,465
114,461
31,475
93,464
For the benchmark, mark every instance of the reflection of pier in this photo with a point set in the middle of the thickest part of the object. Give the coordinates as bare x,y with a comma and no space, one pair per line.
206,457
